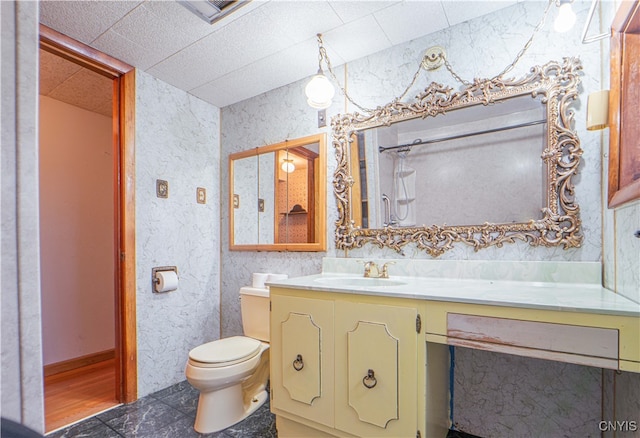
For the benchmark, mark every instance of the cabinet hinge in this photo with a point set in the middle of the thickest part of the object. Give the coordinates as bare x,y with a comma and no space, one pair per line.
418,328
418,434
269,305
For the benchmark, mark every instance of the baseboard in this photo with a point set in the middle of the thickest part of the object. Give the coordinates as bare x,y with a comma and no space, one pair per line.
78,362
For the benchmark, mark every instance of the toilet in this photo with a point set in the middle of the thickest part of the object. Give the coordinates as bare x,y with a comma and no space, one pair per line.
232,373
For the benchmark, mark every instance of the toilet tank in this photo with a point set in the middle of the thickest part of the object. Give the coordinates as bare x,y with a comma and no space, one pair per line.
254,305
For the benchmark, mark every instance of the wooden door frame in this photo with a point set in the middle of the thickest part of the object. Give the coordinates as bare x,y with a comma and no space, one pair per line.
123,76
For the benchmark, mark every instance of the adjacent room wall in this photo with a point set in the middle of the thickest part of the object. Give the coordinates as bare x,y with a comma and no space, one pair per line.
76,231
177,140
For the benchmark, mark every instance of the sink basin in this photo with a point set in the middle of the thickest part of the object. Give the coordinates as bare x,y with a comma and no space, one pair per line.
359,281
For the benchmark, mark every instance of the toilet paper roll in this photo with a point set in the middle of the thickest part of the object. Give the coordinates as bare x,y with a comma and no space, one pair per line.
166,281
258,279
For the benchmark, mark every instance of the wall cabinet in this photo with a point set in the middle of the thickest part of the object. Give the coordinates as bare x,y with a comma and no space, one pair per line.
344,365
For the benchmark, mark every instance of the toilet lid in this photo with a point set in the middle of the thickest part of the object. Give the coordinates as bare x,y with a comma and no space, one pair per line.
226,351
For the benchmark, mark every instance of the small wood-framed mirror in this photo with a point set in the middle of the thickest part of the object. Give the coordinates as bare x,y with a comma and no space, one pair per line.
277,196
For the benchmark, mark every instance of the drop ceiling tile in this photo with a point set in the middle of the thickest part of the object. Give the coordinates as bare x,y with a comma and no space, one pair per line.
54,70
223,51
123,49
357,39
208,59
83,20
88,90
461,11
349,11
409,20
275,71
155,32
301,20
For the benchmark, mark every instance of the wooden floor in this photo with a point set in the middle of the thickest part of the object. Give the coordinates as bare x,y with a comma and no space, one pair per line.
73,395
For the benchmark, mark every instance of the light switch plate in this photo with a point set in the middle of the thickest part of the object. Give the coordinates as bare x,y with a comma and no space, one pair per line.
201,195
162,188
322,118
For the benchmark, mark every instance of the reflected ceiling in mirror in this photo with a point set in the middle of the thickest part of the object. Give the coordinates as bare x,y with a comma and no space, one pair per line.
487,165
277,198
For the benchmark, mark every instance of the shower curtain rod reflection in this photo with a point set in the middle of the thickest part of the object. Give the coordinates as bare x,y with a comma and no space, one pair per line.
419,142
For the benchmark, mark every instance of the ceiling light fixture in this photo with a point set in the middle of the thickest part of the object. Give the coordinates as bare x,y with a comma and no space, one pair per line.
320,91
287,165
566,17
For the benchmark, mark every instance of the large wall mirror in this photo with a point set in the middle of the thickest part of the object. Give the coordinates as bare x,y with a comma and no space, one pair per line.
277,196
488,165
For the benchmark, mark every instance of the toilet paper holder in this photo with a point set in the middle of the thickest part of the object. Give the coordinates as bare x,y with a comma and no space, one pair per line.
154,277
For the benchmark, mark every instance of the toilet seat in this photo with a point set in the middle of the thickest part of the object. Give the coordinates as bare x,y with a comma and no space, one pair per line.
225,352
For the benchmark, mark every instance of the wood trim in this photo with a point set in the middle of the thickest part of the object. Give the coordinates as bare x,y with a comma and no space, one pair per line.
81,54
320,243
124,173
127,305
78,362
625,30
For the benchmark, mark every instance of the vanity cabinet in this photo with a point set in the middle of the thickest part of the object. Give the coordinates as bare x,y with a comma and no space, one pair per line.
351,365
302,358
376,353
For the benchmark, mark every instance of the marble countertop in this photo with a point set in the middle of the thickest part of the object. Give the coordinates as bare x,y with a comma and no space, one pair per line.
568,297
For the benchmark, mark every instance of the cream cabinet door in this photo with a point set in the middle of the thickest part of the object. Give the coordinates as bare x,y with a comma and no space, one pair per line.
302,378
376,370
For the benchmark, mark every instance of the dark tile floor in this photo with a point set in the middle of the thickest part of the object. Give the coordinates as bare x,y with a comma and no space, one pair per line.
169,413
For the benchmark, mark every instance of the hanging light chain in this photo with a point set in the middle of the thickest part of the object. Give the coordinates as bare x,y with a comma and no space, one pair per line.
323,56
509,67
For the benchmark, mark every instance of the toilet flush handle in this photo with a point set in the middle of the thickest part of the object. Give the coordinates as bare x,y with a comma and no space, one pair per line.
298,364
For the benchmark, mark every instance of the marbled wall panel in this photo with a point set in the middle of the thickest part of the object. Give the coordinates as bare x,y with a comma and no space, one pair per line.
500,395
627,264
177,139
474,51
266,119
627,405
22,397
477,48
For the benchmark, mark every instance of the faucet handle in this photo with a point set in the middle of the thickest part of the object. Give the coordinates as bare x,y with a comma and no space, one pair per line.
385,271
368,266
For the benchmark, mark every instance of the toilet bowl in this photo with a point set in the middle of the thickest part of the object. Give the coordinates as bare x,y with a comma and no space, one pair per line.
232,373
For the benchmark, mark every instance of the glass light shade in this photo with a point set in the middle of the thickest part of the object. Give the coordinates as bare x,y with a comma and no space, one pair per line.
287,166
319,92
566,18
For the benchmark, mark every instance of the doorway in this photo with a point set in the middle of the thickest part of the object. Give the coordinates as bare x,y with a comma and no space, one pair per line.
87,213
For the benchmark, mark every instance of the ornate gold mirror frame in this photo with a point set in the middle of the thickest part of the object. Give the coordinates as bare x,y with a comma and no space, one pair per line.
559,223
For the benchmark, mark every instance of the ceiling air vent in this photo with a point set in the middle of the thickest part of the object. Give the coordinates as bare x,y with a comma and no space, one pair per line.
212,10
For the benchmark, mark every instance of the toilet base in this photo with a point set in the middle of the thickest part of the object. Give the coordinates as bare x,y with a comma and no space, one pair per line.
220,409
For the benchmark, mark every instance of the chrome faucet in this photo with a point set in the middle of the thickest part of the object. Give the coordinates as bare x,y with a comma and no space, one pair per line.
371,270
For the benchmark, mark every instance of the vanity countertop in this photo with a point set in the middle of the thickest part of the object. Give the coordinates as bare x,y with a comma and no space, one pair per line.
566,297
